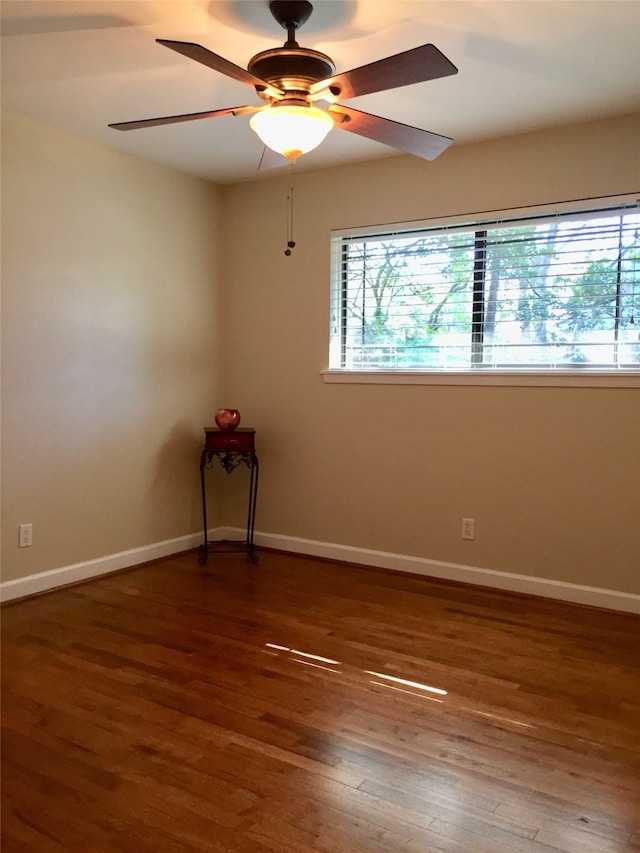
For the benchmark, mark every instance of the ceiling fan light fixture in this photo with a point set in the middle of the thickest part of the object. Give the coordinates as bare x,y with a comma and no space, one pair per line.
291,129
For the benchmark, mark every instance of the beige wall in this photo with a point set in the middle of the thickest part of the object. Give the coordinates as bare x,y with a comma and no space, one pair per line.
550,475
110,335
136,300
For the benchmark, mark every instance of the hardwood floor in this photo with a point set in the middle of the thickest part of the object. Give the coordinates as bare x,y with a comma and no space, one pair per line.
301,706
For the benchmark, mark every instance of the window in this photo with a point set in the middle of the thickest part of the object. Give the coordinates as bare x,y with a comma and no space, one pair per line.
554,291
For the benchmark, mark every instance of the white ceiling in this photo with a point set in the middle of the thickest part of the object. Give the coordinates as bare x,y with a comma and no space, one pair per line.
523,65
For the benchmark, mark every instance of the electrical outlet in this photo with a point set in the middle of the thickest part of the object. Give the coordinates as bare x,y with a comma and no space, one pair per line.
468,528
26,535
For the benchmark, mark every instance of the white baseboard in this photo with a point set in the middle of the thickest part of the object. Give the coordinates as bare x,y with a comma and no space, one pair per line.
55,578
576,593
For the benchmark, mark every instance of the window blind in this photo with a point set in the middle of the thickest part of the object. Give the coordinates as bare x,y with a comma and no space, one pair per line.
553,291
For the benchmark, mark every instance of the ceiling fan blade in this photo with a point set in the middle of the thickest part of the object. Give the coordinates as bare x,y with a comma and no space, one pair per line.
412,140
218,63
412,66
154,122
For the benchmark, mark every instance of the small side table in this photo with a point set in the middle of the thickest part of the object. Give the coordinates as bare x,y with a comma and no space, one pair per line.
231,448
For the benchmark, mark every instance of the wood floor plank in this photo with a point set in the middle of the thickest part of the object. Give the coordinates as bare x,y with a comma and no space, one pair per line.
304,706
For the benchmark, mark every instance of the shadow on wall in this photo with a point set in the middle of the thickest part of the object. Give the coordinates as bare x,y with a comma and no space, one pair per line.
174,495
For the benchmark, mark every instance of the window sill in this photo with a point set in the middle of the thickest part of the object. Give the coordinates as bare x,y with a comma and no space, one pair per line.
513,378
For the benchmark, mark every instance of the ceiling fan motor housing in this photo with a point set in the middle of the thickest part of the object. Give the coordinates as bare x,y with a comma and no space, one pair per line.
293,69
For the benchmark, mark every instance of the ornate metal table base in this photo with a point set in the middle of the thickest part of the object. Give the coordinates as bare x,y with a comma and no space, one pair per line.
229,460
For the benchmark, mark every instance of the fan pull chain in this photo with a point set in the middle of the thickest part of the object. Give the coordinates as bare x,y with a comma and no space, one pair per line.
290,242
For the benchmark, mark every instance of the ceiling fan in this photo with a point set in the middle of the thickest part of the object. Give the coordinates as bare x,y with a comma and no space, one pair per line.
293,79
